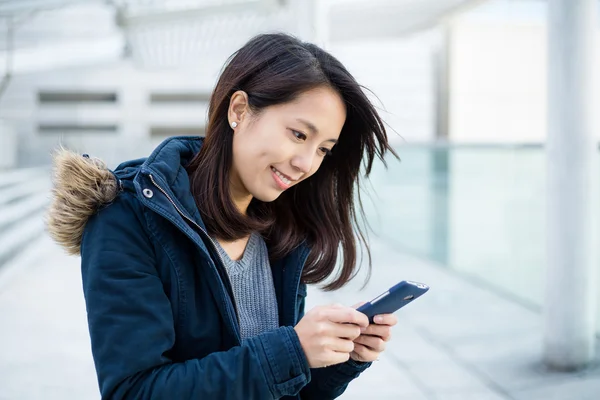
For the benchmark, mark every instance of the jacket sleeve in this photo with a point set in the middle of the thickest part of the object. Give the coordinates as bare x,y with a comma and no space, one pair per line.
132,327
330,382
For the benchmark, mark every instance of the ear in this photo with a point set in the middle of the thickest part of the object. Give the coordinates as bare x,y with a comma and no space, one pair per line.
238,107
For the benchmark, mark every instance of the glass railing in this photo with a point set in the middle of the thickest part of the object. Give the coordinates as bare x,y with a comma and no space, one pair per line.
477,210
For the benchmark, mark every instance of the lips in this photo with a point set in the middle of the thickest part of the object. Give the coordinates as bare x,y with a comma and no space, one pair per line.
282,180
286,179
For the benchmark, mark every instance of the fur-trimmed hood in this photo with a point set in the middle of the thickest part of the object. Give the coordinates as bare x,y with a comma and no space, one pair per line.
82,185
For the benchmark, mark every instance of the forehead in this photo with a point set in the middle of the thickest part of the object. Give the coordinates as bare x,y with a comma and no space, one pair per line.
323,107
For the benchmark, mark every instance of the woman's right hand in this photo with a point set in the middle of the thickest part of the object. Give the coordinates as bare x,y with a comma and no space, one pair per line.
326,334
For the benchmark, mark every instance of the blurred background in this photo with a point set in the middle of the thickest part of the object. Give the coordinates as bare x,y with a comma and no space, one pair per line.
463,88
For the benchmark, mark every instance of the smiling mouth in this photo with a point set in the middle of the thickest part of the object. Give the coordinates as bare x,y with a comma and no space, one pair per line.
287,181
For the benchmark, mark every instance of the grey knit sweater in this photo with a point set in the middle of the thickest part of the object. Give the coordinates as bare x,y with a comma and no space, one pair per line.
253,290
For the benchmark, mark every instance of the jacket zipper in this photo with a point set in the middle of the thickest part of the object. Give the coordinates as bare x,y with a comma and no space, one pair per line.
207,236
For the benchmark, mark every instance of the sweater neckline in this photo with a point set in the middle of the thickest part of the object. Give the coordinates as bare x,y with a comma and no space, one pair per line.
250,251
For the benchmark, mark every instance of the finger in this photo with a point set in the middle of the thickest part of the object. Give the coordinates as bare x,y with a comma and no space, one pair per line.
357,305
348,331
363,353
374,343
335,357
359,352
347,315
386,319
342,345
383,331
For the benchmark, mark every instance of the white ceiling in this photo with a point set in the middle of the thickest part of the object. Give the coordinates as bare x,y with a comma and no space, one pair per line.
163,33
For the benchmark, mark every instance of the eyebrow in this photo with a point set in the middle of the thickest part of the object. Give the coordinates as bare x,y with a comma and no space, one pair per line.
311,127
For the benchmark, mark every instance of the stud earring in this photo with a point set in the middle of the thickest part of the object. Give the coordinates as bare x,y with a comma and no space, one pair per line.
234,124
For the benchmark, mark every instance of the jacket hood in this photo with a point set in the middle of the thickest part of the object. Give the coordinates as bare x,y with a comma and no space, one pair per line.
81,186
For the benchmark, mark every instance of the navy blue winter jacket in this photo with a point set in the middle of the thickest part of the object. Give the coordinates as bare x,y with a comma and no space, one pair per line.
161,319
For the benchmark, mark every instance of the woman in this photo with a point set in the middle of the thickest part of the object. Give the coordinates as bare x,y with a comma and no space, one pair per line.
195,260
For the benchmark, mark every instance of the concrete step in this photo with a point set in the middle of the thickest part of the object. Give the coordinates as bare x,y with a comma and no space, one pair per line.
24,196
28,186
22,175
13,213
21,235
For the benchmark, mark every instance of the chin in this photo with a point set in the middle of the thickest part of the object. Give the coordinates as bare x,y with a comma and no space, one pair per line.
267,196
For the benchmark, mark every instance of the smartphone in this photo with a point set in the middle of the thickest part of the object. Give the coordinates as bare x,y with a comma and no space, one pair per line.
393,299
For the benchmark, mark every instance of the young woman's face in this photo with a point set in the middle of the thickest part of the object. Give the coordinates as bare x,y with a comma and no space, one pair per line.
283,145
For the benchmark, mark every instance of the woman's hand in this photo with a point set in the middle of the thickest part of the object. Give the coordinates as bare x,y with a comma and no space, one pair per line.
373,339
326,334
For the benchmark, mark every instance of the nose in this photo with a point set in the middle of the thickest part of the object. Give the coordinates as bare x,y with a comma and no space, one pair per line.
302,162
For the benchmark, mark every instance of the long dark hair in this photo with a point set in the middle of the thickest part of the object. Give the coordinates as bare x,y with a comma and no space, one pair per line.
323,210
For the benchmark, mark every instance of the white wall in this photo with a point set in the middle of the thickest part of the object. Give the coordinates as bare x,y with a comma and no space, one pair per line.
401,73
498,73
132,113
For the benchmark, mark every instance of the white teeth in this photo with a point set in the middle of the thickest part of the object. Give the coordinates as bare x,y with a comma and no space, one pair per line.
283,178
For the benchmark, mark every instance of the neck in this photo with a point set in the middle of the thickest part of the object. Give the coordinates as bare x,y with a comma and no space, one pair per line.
241,198
242,203
239,194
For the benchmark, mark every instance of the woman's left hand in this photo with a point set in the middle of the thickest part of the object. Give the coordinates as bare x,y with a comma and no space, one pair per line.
373,339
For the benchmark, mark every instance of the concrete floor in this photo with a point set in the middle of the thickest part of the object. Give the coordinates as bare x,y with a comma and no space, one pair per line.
461,340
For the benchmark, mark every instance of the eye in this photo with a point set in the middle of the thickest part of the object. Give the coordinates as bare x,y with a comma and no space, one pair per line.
325,151
299,135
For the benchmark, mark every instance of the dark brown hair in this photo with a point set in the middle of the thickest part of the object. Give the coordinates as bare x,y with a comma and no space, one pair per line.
274,69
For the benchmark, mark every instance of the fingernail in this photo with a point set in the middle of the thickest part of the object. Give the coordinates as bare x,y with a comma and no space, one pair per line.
378,319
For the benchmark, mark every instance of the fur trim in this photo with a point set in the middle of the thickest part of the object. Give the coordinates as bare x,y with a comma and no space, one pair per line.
81,186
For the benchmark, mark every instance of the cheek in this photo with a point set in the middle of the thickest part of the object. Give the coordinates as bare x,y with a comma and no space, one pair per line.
245,147
242,153
250,160
254,144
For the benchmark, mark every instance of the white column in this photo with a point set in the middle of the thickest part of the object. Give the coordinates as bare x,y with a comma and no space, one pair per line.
572,170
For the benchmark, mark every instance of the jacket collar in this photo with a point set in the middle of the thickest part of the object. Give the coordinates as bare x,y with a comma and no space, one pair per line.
166,166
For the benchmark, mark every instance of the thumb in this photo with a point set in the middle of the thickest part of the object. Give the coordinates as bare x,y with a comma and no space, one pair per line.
359,304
